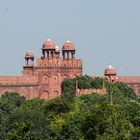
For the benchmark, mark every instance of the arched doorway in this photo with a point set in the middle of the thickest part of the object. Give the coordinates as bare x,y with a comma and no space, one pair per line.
74,76
45,95
56,93
45,79
55,79
66,76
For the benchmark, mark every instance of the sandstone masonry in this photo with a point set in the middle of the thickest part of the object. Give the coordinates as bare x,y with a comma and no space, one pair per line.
43,80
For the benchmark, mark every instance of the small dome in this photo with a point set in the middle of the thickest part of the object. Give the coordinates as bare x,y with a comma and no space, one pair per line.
57,49
110,70
29,54
68,46
49,44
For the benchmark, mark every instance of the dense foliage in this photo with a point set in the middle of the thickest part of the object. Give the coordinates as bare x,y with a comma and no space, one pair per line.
84,82
88,117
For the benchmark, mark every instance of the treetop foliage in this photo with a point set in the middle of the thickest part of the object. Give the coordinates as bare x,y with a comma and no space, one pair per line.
88,117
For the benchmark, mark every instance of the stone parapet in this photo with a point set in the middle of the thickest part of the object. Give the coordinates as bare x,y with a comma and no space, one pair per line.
18,80
59,62
80,92
128,79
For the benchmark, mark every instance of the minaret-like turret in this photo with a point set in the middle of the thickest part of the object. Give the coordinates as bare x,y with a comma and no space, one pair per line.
29,59
68,50
48,49
110,73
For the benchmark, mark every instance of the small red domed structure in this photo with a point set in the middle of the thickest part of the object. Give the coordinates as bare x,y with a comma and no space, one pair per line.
68,50
48,49
29,54
68,46
49,44
29,58
110,71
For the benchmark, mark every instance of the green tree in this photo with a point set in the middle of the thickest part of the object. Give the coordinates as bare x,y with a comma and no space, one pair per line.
98,83
68,88
84,82
58,106
13,98
106,122
21,131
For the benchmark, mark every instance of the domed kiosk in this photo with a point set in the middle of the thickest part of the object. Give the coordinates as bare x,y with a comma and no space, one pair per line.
110,73
49,44
29,58
48,49
68,50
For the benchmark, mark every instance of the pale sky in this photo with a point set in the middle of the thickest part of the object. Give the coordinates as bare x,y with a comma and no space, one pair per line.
103,31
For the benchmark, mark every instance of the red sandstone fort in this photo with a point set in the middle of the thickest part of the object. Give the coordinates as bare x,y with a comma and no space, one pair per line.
43,78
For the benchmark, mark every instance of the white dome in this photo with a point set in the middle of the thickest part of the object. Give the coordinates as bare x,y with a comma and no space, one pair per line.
49,39
68,41
57,48
110,67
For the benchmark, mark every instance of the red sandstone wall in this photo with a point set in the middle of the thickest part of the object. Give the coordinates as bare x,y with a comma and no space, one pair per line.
29,92
15,80
129,79
80,92
132,81
25,86
42,80
59,63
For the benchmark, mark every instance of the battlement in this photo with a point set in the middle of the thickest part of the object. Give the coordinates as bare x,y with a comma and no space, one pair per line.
17,80
59,62
42,78
129,79
80,92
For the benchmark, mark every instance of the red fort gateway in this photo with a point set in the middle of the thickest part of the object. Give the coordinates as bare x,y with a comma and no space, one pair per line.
43,78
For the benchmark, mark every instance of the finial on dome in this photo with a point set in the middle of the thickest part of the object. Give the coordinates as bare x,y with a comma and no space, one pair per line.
57,48
49,39
110,66
68,41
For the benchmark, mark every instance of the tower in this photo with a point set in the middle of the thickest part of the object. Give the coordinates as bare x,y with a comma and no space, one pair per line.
68,50
110,74
29,59
48,49
50,69
28,69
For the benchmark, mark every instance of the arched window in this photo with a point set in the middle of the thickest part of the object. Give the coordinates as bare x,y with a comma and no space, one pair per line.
56,93
66,76
45,95
74,76
45,79
55,79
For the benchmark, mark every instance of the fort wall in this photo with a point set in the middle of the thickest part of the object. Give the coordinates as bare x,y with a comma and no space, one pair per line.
17,80
43,78
80,92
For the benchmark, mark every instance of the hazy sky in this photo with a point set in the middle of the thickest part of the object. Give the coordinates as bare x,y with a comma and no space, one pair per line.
103,31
